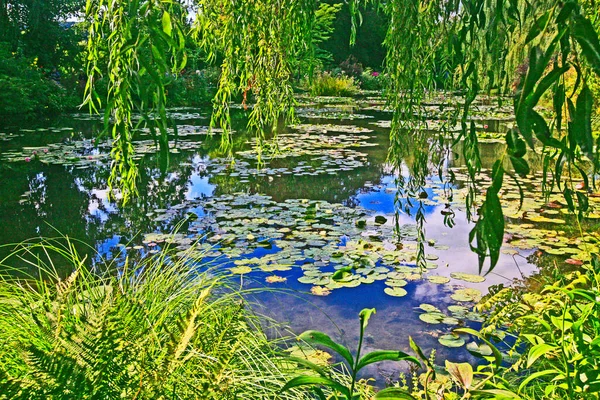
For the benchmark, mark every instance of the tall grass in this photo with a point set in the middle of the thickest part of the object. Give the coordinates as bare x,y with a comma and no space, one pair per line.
158,329
329,85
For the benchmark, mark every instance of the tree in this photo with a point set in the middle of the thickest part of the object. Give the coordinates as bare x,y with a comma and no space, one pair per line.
477,46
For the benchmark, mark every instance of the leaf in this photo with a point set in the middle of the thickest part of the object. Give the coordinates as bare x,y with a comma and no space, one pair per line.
167,26
393,393
498,394
364,316
520,165
341,273
538,27
315,380
516,147
581,127
385,355
309,364
319,338
462,373
537,351
586,36
495,351
537,375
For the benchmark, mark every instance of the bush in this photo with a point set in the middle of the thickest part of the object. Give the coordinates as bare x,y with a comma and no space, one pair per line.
372,80
25,90
328,85
157,329
194,88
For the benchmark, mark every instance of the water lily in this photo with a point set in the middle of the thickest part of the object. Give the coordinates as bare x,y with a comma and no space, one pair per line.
27,159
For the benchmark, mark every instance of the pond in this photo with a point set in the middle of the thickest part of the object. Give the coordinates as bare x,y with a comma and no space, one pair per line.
322,200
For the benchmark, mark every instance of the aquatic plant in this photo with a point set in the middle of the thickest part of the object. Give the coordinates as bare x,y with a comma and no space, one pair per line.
353,363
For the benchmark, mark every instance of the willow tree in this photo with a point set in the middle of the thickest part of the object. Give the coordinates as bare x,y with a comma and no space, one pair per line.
478,45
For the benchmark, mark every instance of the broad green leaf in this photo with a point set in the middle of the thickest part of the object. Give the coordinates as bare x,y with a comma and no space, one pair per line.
520,165
315,380
385,355
341,273
538,27
586,36
462,373
364,316
495,351
516,147
319,338
536,375
393,393
167,25
581,128
309,364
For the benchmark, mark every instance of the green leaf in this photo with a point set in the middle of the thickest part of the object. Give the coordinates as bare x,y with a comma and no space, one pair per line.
393,393
364,316
538,27
311,365
495,351
319,338
341,273
167,25
462,373
586,36
520,165
315,380
581,127
385,355
516,146
497,394
536,375
537,351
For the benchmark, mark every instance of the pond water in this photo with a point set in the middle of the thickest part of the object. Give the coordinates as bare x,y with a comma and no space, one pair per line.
324,200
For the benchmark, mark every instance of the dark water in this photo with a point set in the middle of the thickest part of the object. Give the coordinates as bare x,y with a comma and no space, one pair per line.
48,199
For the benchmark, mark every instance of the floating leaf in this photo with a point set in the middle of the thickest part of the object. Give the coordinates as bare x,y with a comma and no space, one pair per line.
451,340
467,277
320,291
243,269
395,292
275,279
438,279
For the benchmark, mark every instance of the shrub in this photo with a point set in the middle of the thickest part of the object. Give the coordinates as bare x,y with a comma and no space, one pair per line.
328,85
372,80
157,329
25,90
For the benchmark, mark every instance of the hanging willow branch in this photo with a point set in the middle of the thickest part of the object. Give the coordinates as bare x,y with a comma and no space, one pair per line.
513,48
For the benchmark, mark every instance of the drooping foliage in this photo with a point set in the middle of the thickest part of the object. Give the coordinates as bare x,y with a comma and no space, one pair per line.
520,51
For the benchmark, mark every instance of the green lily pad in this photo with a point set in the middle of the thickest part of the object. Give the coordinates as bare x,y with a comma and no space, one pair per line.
395,292
438,279
451,340
431,318
429,308
479,350
467,277
467,295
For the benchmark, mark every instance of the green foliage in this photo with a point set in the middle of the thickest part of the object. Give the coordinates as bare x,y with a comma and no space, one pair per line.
158,329
25,90
353,363
326,84
557,333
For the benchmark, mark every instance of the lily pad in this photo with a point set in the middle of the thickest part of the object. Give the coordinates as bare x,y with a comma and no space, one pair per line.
451,340
467,277
395,292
